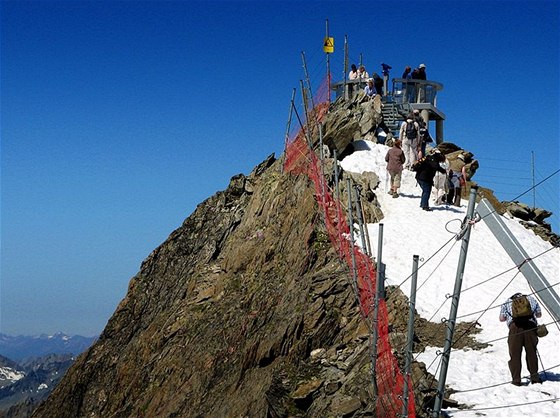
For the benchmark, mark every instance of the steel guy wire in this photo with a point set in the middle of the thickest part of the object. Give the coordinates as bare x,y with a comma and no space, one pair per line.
465,332
506,336
423,264
504,406
500,304
508,270
528,190
438,265
499,384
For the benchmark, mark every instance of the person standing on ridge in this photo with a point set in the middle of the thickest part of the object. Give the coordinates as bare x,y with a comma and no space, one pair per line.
409,135
406,75
395,160
457,178
378,83
425,172
420,74
409,90
522,335
441,183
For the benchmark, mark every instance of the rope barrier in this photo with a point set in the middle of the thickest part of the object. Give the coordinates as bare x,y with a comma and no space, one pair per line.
301,159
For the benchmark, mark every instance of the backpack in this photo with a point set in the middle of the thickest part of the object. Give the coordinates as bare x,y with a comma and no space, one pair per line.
410,130
520,306
418,165
521,311
425,134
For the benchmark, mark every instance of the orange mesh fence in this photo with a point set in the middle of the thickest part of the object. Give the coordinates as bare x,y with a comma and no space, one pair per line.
301,159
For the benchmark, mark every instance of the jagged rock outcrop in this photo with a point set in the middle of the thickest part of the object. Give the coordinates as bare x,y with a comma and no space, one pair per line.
223,317
351,120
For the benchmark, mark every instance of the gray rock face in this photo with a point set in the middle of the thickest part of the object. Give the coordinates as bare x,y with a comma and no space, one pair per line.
222,317
351,121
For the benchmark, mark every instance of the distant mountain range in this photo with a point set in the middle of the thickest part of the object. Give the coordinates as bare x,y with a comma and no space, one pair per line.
25,347
31,367
24,385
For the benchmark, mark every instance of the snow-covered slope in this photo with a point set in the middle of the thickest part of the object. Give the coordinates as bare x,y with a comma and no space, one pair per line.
490,277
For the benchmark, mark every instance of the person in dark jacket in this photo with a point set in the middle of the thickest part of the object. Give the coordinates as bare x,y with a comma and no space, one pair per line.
425,176
378,84
408,87
406,74
419,73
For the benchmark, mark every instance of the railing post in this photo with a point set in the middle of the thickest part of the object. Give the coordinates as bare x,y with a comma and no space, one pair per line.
375,329
454,304
410,334
351,225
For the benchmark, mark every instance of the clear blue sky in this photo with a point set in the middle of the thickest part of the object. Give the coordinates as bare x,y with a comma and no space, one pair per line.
118,118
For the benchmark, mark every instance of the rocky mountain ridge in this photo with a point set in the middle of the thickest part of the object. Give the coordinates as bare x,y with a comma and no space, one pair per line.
245,310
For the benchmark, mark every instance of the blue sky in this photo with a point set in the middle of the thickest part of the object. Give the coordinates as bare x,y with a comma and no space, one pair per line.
118,118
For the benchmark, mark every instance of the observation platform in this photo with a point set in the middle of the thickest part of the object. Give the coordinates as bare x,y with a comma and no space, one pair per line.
405,96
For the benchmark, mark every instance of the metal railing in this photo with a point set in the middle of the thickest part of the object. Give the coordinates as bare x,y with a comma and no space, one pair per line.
403,91
415,91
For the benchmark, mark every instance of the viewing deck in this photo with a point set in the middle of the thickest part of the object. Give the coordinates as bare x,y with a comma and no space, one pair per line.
405,96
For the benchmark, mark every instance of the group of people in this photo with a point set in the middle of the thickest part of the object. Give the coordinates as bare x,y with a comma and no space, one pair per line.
415,136
418,73
522,330
358,73
448,178
374,83
432,170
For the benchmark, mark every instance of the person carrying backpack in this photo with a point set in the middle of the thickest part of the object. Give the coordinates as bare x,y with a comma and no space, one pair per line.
410,137
520,313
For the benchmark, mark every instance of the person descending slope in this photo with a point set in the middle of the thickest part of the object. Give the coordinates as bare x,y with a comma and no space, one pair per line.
426,169
395,160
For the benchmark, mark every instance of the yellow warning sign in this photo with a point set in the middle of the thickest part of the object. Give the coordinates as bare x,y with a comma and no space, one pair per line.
328,45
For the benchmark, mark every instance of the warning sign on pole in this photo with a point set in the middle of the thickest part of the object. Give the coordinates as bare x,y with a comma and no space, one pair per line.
328,45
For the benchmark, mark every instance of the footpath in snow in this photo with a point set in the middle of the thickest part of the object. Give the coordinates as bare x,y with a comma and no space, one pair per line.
482,377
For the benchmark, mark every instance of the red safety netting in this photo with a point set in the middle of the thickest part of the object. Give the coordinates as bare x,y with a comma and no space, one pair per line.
301,159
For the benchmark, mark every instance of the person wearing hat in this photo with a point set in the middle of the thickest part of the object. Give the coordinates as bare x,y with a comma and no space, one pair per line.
457,178
420,74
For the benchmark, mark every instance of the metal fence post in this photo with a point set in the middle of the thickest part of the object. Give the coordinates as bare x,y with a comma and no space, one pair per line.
454,305
410,334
